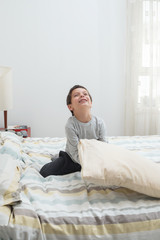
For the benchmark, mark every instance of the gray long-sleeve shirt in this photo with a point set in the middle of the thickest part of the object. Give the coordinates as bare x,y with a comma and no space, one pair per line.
76,130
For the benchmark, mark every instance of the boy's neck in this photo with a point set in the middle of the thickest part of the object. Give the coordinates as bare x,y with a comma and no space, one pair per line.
83,116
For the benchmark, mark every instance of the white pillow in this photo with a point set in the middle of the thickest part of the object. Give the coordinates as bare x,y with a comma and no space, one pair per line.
9,180
111,165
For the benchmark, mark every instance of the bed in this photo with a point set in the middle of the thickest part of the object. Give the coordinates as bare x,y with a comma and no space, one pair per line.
67,207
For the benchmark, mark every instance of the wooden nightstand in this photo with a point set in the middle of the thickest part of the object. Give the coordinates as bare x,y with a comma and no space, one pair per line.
25,132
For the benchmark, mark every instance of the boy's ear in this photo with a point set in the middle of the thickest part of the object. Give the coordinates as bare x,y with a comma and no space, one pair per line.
70,107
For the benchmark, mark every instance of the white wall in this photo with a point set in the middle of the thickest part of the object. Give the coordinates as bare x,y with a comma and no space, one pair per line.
52,45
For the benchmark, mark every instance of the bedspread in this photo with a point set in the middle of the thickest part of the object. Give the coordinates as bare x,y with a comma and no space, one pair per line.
66,207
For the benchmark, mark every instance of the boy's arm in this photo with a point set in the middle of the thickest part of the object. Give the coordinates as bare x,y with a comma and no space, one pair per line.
102,132
72,143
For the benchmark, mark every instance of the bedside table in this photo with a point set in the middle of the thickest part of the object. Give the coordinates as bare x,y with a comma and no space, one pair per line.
25,132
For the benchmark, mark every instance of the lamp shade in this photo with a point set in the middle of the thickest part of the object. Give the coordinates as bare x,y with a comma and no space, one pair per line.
5,88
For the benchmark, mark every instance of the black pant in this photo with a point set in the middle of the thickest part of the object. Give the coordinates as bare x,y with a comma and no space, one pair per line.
60,166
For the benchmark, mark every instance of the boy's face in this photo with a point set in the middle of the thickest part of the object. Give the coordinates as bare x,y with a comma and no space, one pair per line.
79,99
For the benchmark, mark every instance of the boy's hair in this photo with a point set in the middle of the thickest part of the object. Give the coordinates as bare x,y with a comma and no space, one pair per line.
69,96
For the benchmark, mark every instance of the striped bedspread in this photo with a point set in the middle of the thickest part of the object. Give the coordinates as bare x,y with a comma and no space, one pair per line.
65,207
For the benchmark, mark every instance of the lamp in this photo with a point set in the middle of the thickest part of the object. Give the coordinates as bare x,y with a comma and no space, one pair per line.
5,91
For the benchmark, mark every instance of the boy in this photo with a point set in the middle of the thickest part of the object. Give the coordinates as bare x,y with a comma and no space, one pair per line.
80,126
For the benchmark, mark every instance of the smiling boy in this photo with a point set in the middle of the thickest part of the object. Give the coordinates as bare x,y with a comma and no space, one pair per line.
81,125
